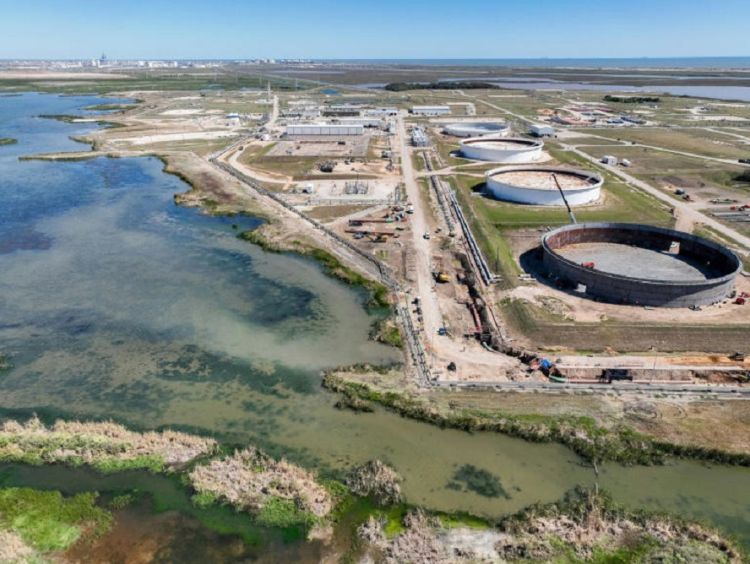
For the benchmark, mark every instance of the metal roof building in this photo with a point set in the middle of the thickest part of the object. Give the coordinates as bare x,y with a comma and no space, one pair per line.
430,110
541,130
324,129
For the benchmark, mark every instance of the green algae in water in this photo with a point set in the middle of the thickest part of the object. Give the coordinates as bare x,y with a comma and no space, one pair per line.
48,521
477,480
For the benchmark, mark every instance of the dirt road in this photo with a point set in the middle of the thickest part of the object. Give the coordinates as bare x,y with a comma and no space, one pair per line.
686,214
470,357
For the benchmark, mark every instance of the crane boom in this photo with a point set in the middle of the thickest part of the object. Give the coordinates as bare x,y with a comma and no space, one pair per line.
567,205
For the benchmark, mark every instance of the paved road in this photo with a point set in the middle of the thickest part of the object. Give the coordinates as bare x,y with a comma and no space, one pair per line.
726,392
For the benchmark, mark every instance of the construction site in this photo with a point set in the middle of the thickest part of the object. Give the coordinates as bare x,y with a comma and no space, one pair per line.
485,289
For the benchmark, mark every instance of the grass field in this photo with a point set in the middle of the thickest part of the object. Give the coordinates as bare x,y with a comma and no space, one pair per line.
663,169
155,80
688,140
545,332
256,157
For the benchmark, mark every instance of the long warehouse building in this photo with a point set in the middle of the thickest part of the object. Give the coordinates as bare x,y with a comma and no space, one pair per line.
324,129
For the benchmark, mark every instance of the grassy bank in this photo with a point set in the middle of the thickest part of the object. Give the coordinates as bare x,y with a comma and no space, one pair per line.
593,442
106,446
587,526
331,265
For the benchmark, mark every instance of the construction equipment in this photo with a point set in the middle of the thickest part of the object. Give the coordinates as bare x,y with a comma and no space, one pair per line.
327,166
442,277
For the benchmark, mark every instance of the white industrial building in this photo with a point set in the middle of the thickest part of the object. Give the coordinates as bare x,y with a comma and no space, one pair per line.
499,149
610,160
363,121
324,129
430,110
541,130
539,185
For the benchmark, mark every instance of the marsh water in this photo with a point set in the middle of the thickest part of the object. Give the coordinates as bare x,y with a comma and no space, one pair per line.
115,303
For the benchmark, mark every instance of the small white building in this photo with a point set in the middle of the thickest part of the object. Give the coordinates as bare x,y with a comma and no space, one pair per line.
430,110
610,160
324,129
541,130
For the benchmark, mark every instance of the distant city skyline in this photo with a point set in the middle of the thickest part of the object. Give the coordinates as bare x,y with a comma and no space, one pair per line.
416,29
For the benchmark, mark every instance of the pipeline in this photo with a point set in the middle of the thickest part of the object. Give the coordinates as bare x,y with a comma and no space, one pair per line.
488,277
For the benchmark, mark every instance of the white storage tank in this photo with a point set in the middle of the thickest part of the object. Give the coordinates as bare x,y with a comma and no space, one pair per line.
477,129
499,149
537,185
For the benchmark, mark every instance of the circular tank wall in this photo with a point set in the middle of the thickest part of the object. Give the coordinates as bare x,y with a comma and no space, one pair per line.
536,185
643,265
477,129
507,150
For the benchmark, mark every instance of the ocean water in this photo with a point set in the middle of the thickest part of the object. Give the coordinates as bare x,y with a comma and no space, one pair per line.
625,63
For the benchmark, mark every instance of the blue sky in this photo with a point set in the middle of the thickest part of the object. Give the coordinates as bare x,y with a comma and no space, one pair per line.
373,29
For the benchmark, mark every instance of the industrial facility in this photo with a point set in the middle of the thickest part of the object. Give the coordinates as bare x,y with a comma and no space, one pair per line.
419,137
499,149
543,186
324,129
430,110
641,265
477,129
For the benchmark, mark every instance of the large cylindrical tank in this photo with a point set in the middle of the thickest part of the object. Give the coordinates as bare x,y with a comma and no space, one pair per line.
477,129
506,150
536,185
